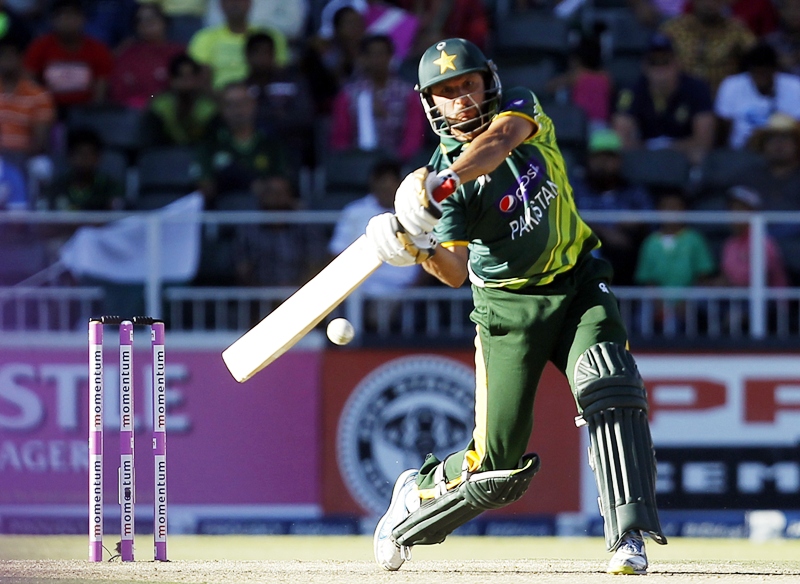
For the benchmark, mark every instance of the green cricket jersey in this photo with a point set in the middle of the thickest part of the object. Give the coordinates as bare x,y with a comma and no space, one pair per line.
520,222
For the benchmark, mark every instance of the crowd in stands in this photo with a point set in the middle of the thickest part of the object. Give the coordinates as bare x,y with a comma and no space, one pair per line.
658,104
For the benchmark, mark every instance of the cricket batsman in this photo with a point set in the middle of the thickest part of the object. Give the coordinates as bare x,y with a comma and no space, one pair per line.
511,227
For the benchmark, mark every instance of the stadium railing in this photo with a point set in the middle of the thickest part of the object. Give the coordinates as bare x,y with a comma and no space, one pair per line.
51,300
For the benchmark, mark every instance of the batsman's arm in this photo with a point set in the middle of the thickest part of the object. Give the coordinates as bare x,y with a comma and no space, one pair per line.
448,264
490,149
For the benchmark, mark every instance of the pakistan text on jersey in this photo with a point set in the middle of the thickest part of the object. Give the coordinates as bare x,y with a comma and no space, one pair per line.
534,210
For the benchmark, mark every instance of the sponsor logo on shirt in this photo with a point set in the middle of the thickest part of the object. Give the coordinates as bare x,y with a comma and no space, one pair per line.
518,194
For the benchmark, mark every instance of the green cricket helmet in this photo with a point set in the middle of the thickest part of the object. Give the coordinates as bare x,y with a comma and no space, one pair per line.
446,60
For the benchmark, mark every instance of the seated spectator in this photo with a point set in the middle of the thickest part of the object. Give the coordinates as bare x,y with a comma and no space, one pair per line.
674,255
141,65
666,108
379,18
604,188
83,186
283,99
378,110
185,17
786,39
221,48
237,155
277,254
746,100
708,42
288,17
72,66
735,262
329,59
182,115
778,179
26,109
440,20
13,190
385,177
588,85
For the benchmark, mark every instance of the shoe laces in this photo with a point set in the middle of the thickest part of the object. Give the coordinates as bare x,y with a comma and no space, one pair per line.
633,543
405,552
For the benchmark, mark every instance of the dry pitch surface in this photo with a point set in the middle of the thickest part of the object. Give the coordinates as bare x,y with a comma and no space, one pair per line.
348,560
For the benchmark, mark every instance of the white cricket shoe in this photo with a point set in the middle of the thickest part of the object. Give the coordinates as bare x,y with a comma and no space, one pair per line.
630,557
405,499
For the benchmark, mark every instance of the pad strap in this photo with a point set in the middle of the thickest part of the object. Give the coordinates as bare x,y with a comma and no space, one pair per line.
439,517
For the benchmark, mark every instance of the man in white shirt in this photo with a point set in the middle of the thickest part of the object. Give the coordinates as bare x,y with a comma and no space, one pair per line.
745,101
384,179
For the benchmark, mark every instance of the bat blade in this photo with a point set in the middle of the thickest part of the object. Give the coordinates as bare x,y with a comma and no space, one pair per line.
301,312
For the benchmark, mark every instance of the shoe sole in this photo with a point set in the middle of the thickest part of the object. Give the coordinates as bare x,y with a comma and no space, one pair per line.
626,571
379,527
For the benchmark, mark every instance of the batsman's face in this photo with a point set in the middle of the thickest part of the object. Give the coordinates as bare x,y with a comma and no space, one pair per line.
459,99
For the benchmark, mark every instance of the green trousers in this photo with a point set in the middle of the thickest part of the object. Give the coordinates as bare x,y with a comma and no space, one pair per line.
518,332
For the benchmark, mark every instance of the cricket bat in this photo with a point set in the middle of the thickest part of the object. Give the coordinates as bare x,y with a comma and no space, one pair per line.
301,312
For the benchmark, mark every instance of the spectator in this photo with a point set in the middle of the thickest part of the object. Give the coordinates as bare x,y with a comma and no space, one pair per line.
83,186
604,188
588,85
237,157
735,262
182,115
287,17
330,60
283,99
708,43
141,66
13,190
778,179
746,100
26,109
759,16
185,17
786,39
277,254
378,110
221,48
666,107
379,18
674,255
439,20
72,66
385,177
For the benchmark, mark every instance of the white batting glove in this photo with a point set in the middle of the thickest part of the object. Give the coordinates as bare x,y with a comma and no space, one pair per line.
396,247
417,200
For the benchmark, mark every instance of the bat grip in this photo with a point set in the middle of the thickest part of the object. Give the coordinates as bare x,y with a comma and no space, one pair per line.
444,190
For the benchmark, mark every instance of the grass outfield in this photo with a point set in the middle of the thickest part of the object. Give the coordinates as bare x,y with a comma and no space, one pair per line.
348,560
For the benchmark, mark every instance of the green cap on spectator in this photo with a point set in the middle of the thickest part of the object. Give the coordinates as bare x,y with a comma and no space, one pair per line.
605,141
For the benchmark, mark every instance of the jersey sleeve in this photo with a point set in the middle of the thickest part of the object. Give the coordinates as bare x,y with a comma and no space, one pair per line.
451,228
519,101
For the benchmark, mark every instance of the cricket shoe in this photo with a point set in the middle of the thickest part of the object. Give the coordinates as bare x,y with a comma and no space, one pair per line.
630,557
405,499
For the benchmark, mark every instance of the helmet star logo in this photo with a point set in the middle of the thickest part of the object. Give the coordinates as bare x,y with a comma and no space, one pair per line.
445,62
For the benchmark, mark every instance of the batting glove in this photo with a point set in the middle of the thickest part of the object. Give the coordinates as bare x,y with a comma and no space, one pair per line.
417,200
396,247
